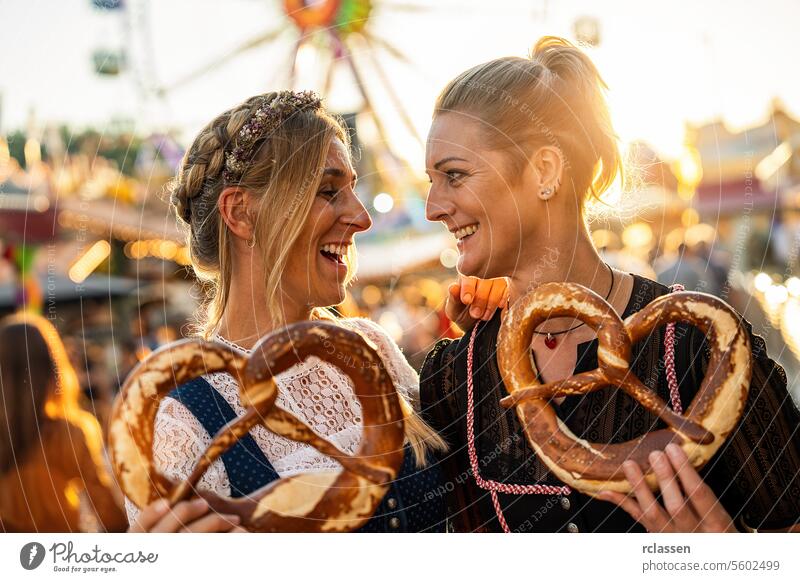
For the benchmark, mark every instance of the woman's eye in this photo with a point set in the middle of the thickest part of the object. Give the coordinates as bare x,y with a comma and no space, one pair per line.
330,193
455,175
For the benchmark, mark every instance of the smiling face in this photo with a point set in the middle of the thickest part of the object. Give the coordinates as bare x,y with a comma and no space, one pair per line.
490,213
317,272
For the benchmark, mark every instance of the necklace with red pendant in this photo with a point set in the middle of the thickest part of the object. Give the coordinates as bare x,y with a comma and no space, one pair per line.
550,340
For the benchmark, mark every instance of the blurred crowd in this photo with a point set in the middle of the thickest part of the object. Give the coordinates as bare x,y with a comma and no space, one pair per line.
57,395
58,392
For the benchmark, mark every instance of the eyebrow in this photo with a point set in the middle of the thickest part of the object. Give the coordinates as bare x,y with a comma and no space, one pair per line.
337,173
440,163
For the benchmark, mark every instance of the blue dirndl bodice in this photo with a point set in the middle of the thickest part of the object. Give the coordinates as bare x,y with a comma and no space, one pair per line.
414,502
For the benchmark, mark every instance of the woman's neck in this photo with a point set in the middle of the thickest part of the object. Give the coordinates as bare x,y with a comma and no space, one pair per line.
560,257
247,317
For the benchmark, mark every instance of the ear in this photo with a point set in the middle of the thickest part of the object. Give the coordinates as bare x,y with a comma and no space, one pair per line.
549,165
234,208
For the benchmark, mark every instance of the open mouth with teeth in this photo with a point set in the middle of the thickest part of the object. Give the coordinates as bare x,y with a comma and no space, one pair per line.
334,253
465,232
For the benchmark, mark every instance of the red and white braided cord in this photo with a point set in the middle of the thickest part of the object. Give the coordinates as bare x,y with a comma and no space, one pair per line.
669,361
486,484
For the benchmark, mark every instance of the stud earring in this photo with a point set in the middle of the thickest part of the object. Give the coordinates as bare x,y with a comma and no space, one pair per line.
252,242
546,194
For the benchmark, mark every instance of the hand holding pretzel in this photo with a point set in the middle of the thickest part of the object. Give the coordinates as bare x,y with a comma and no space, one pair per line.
311,502
687,503
595,467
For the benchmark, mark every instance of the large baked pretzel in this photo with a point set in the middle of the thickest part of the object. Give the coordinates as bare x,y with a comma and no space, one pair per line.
339,500
592,467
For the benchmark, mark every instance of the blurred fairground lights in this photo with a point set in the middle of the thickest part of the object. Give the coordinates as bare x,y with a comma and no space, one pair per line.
90,134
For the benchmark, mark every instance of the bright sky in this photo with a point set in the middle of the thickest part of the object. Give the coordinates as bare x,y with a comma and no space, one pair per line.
665,62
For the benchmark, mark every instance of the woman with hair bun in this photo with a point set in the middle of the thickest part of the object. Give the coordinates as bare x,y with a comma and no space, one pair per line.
516,149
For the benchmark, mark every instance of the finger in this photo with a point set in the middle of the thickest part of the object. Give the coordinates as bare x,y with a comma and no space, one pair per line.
689,478
212,523
468,285
676,504
454,289
495,300
700,496
454,308
623,501
483,288
149,516
504,301
180,515
653,516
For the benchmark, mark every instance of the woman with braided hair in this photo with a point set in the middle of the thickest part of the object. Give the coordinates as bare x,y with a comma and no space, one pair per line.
266,193
516,148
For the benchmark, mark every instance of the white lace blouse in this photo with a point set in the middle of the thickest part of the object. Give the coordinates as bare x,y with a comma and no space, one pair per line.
316,392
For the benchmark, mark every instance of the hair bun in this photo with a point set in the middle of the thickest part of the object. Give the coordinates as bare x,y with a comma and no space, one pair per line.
566,61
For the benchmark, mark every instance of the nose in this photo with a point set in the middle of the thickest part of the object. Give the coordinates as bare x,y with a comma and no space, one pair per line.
437,205
355,215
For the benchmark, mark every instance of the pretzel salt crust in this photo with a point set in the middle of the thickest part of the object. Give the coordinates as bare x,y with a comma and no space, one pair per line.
592,467
340,500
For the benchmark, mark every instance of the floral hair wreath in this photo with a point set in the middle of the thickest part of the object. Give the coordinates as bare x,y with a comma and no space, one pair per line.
269,115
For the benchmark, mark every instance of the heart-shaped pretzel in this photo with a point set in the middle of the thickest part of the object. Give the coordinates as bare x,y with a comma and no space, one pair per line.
340,500
592,467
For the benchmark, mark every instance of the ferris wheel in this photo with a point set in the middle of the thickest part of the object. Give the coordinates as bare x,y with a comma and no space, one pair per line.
340,33
341,30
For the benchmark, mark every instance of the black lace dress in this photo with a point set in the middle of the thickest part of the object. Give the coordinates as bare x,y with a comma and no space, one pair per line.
756,473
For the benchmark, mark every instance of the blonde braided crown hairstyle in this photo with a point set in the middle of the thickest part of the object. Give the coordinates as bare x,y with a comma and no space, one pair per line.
282,167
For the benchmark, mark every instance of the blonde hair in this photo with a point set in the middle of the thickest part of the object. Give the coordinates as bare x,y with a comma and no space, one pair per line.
554,97
284,174
419,435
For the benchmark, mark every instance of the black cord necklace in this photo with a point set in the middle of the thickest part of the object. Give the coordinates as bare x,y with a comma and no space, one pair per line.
550,341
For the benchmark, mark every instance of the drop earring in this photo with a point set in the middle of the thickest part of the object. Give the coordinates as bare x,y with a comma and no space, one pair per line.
252,242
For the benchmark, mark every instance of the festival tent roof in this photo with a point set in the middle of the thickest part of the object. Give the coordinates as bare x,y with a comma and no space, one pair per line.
107,218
